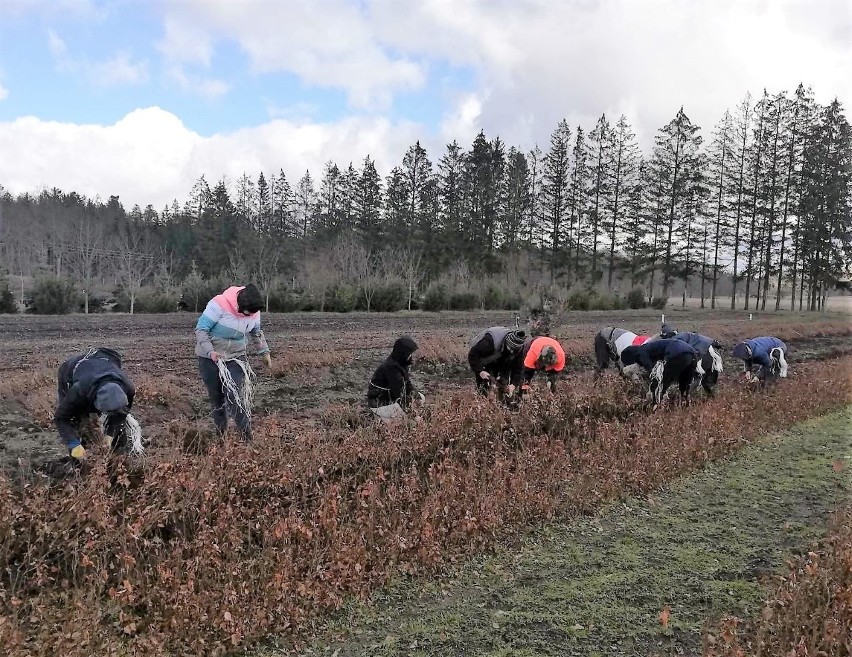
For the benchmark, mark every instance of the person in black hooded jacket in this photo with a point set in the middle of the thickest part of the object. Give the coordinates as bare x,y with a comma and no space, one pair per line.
667,361
390,391
93,383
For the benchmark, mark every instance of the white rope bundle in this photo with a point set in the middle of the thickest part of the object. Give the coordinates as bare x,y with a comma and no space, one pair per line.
778,354
717,360
132,433
240,398
657,375
699,371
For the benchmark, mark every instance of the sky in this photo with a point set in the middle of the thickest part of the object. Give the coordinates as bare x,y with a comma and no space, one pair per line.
139,98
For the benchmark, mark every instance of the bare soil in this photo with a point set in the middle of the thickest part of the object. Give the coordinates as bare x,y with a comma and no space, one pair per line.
324,360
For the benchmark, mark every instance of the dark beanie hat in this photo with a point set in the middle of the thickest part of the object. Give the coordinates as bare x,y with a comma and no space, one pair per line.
110,398
515,340
249,299
668,331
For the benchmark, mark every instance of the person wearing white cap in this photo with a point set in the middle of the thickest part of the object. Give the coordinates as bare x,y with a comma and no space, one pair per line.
95,383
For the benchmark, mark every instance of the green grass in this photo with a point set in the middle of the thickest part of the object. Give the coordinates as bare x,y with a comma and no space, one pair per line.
596,585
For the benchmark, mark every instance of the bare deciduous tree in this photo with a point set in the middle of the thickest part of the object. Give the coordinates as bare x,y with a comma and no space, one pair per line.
134,260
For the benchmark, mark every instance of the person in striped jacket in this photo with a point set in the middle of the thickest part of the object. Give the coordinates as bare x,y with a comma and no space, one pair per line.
610,342
228,324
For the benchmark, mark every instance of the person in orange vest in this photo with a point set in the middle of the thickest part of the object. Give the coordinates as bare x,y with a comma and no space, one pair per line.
539,354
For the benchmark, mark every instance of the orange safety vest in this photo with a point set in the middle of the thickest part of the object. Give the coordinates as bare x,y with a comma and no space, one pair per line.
536,347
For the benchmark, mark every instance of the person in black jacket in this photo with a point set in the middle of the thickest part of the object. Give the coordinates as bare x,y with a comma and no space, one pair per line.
667,361
390,391
492,355
94,383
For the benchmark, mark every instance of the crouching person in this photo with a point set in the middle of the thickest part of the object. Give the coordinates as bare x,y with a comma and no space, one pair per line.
95,383
709,353
764,359
390,391
666,361
491,355
229,322
541,354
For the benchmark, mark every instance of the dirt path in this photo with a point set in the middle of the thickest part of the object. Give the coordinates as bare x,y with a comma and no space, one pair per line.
596,586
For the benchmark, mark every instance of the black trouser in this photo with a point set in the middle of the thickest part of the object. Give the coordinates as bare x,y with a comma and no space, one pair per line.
603,354
680,368
710,378
220,404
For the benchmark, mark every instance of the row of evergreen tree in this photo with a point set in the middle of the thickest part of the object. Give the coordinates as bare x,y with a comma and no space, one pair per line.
761,208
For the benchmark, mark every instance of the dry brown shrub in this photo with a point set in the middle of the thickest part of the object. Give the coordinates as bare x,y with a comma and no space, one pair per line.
210,552
292,360
810,612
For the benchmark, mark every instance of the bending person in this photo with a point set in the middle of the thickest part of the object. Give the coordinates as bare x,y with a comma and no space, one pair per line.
767,355
666,361
709,351
609,343
229,322
95,383
390,391
541,354
492,353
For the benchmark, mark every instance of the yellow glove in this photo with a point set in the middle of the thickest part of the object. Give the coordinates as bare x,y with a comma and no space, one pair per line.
79,452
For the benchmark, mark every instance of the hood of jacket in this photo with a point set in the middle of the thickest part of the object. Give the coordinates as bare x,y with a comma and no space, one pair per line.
402,350
228,301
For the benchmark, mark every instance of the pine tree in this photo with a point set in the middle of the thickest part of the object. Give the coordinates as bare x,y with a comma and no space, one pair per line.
625,155
801,119
720,163
826,206
451,195
676,163
755,173
555,198
305,206
577,195
515,199
599,149
282,202
738,183
368,206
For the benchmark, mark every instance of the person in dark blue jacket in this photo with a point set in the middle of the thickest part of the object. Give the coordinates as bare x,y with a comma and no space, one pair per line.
95,383
709,352
766,354
667,361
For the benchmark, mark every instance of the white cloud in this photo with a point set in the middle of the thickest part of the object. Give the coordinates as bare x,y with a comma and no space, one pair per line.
120,68
324,42
149,156
207,87
185,42
537,61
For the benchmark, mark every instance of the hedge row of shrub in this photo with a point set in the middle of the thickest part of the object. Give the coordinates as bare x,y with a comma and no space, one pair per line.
51,296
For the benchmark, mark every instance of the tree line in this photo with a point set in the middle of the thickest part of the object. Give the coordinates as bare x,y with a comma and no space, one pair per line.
758,211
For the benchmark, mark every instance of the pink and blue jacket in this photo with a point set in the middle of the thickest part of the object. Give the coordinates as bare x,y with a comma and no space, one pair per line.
224,329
